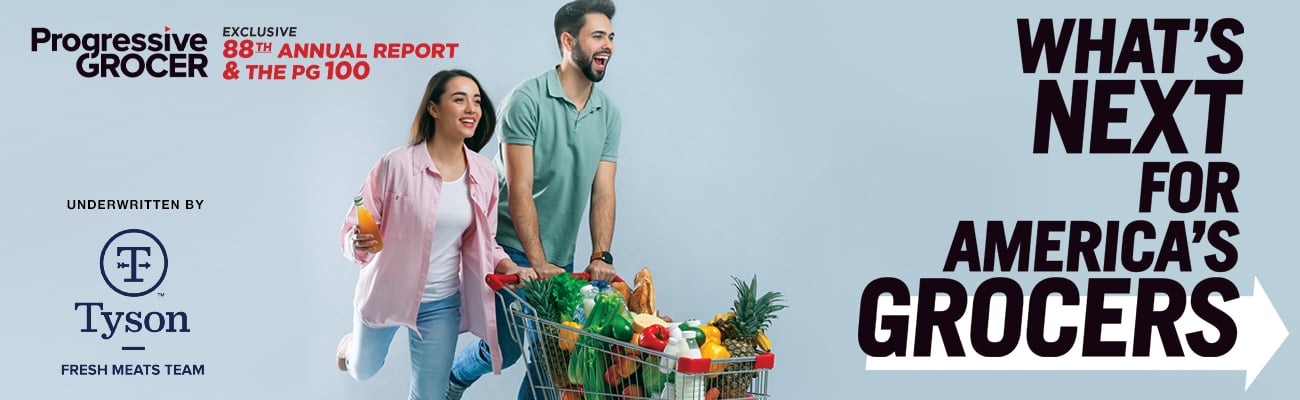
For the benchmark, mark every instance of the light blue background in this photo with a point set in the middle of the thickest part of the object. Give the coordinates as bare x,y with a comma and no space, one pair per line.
817,144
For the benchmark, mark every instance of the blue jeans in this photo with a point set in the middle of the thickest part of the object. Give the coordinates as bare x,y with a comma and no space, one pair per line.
475,360
431,350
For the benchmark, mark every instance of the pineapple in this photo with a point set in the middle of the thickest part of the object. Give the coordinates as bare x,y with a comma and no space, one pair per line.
741,332
538,294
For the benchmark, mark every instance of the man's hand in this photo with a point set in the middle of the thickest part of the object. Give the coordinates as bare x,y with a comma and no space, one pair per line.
600,270
547,270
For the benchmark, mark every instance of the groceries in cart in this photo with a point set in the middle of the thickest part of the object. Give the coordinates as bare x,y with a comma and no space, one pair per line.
607,340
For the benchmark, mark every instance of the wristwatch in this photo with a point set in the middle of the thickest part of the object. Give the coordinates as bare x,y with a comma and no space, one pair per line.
603,256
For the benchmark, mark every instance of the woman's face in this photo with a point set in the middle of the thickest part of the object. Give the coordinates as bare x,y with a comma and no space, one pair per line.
457,111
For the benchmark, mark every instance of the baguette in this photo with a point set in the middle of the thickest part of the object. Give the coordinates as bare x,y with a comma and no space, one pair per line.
642,299
622,289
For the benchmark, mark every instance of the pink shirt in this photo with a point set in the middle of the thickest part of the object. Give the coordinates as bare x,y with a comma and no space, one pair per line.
402,194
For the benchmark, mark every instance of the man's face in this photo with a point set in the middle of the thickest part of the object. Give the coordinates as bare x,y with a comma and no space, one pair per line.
594,46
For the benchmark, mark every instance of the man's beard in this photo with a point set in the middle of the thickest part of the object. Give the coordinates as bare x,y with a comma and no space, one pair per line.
584,62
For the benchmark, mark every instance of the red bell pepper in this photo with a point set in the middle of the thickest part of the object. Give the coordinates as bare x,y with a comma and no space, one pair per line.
653,337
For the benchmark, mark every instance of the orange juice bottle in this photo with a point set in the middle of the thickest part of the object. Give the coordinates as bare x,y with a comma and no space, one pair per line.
367,223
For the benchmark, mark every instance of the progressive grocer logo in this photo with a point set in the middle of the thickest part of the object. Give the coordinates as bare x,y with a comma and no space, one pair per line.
163,54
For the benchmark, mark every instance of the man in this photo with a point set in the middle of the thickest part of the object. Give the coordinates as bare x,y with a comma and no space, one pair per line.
559,136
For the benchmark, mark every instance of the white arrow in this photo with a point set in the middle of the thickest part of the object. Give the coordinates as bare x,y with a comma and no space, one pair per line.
1260,332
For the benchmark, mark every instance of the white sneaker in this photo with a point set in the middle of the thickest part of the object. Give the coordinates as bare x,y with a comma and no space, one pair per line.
343,352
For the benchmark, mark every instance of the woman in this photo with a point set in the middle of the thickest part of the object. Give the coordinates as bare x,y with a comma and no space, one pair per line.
436,205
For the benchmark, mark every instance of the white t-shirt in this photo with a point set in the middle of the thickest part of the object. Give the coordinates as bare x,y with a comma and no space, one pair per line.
454,216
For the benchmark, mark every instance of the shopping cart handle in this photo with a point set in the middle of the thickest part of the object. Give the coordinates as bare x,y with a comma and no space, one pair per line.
498,281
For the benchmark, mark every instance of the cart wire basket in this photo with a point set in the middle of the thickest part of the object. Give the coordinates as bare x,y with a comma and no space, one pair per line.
568,363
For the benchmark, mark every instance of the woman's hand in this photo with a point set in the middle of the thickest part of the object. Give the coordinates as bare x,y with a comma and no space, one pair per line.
523,273
363,242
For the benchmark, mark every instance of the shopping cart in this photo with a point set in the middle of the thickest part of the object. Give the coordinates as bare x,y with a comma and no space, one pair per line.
625,371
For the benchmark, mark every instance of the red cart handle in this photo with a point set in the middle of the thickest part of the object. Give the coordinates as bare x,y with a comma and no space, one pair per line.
498,281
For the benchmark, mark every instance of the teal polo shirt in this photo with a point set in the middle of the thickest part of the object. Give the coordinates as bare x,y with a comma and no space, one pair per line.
567,147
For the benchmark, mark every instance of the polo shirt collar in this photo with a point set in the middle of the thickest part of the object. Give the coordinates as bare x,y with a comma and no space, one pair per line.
555,90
